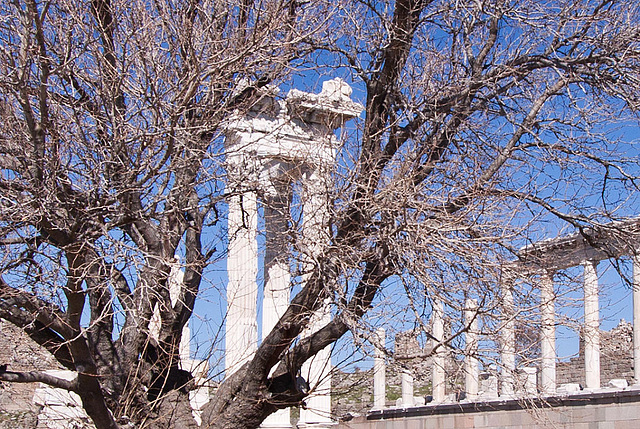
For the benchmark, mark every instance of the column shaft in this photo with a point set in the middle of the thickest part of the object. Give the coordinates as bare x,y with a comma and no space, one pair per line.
547,335
407,388
317,370
636,318
276,279
471,350
242,291
591,326
379,372
507,342
437,370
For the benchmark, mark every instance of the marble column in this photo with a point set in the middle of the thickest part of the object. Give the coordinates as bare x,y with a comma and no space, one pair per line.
276,278
471,350
437,370
591,326
379,372
242,292
636,319
507,342
547,335
317,371
175,282
407,388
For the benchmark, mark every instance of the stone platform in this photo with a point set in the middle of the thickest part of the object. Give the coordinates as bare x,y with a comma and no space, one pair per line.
603,410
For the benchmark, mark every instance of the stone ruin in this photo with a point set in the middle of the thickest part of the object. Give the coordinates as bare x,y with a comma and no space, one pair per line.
354,391
616,350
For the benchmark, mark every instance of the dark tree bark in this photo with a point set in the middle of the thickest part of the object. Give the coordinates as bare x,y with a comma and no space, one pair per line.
484,122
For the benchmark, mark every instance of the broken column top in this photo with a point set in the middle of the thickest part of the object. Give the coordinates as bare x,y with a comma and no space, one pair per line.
298,129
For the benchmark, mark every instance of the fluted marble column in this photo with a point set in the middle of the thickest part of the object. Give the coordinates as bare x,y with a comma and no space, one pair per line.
317,371
547,335
276,278
437,370
591,326
379,372
242,291
507,342
471,350
636,319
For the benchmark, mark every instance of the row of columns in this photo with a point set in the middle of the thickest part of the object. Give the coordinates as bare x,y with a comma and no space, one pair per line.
242,291
591,328
548,356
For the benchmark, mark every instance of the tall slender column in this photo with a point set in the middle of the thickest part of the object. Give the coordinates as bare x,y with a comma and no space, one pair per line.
242,291
591,326
636,319
317,370
471,349
507,342
276,279
175,282
379,369
437,370
547,335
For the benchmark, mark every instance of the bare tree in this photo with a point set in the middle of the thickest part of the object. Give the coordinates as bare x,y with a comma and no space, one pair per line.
487,123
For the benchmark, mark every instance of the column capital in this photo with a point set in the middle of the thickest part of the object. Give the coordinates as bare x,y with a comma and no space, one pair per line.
298,128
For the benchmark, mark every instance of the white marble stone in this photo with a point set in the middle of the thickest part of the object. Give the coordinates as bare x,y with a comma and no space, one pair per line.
277,279
407,388
618,383
379,372
591,326
279,141
547,335
529,380
489,384
242,292
568,388
438,370
471,350
636,318
507,342
61,409
317,372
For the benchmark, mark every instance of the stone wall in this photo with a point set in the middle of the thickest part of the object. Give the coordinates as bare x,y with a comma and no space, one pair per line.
616,358
20,353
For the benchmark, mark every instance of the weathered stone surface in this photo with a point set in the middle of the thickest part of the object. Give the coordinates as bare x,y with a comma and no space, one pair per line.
616,358
17,410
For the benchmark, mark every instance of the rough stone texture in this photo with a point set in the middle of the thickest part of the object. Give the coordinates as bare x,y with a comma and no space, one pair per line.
616,358
20,353
352,393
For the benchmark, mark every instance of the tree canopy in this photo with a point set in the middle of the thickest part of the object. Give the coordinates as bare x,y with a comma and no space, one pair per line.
487,125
